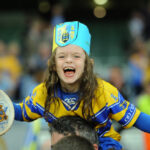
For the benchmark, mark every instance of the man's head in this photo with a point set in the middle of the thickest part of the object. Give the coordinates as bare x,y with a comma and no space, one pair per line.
73,143
73,125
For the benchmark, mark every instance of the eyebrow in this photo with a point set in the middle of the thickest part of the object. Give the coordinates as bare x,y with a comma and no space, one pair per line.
76,53
60,53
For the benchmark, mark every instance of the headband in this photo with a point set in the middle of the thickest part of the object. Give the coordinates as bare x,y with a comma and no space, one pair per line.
74,33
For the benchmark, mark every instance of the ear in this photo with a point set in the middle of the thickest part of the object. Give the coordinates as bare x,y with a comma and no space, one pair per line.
92,61
95,146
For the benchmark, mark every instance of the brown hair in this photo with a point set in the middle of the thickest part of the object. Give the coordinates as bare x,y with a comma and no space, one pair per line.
87,87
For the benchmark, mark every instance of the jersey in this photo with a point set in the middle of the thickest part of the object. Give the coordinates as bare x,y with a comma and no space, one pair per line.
109,106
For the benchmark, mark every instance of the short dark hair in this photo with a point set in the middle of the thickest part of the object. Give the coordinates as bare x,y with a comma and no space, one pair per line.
71,125
73,143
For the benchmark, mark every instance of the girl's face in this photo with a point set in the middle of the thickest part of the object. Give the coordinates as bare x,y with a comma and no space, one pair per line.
70,61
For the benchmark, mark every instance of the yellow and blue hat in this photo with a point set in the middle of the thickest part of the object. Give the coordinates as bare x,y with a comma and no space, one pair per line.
74,32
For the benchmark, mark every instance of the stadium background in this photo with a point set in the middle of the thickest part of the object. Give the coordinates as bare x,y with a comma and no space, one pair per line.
120,46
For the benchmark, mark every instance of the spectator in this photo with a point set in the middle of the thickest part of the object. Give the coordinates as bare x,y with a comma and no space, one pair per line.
73,143
73,125
14,60
138,62
7,70
57,14
137,25
116,78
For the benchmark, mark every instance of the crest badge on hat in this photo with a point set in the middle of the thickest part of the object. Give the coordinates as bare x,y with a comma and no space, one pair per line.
66,33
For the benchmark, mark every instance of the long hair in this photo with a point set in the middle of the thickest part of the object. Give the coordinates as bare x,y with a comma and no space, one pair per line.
87,88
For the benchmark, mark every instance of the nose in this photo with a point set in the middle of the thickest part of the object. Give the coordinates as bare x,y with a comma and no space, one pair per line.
69,59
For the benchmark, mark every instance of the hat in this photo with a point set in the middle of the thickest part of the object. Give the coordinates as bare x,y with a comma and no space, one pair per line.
74,32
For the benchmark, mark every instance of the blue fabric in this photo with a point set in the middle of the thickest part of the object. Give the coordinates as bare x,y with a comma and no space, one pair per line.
74,33
107,143
126,119
69,99
18,112
143,122
102,130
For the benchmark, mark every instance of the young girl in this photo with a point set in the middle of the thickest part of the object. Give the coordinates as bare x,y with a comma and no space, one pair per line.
71,88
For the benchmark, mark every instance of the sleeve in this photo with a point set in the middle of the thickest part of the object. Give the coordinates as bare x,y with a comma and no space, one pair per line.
143,122
120,110
18,112
30,109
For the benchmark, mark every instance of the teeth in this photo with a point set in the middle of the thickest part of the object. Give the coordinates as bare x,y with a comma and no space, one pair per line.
68,69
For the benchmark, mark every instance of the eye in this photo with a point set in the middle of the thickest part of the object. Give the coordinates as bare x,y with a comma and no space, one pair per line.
61,56
77,56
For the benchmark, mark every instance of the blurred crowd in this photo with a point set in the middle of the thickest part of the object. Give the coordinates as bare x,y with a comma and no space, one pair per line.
23,64
134,81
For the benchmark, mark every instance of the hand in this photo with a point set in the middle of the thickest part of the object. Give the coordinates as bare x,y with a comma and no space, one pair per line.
3,116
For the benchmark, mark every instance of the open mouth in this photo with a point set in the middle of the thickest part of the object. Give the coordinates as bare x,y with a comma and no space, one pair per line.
69,72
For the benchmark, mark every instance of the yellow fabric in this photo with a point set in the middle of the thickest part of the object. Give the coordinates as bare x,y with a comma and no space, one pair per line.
54,41
108,97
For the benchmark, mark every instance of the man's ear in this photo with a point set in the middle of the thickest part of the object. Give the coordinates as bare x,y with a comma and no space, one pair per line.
92,61
95,146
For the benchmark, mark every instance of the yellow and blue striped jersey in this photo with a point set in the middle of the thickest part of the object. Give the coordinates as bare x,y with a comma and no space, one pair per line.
109,106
